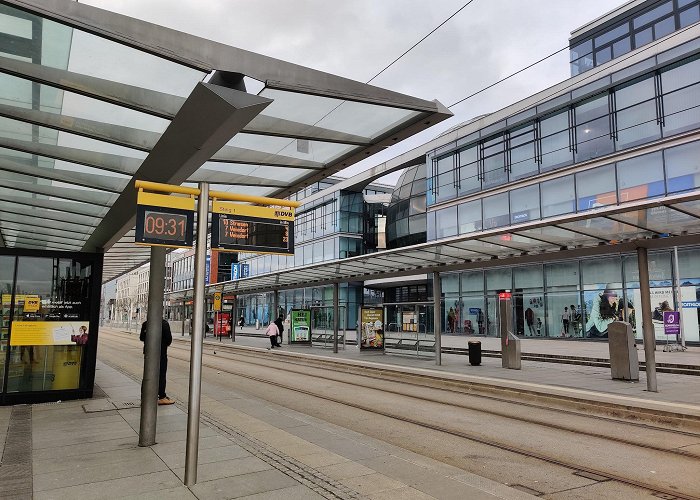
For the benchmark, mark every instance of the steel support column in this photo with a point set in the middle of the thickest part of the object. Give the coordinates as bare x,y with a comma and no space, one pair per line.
437,317
336,313
200,257
151,360
677,292
647,325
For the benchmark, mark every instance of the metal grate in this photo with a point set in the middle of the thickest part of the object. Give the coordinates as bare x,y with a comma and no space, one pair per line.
16,465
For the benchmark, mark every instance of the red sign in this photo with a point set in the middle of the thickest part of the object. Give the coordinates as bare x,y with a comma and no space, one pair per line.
221,327
504,295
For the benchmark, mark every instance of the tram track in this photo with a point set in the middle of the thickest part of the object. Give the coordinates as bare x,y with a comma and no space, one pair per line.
225,356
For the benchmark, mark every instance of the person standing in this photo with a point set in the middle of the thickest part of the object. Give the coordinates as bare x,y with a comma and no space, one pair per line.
530,320
451,321
280,327
565,319
272,332
165,340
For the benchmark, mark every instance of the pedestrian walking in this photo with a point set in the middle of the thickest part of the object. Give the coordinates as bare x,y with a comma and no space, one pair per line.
280,327
165,340
272,332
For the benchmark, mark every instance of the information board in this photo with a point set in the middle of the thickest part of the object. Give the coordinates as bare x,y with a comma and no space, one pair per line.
300,325
371,328
164,220
245,228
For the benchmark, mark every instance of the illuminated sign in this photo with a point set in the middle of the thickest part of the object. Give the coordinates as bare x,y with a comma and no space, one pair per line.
245,228
164,220
504,295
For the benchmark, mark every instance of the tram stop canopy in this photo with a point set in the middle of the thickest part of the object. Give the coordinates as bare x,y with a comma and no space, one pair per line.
91,101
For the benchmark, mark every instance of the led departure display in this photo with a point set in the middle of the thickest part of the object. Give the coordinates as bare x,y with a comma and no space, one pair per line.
164,226
244,228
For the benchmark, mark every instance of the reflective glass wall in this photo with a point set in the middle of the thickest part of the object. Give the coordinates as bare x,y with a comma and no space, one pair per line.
590,293
659,104
652,22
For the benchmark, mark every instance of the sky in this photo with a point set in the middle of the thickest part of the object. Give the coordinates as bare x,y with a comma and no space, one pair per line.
486,41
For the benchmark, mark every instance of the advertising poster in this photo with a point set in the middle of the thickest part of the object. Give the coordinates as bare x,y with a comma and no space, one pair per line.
221,325
371,328
300,325
26,333
661,301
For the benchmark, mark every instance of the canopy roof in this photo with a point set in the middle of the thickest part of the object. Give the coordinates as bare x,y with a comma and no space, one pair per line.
657,223
91,101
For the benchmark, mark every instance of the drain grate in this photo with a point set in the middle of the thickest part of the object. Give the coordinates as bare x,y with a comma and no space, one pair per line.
125,405
16,466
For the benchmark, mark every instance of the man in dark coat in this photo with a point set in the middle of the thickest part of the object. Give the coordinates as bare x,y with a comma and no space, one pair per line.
165,340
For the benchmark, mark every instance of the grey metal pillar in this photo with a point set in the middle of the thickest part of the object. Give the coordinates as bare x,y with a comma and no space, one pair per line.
437,317
184,308
275,305
677,294
336,314
151,360
234,311
200,257
647,325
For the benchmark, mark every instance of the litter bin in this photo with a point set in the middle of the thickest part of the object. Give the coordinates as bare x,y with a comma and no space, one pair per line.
474,352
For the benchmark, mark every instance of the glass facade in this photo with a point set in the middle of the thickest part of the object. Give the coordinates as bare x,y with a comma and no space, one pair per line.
543,293
653,21
406,219
661,104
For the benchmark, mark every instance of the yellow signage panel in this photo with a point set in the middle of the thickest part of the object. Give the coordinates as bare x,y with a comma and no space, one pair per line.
165,200
32,304
21,300
223,207
217,301
49,333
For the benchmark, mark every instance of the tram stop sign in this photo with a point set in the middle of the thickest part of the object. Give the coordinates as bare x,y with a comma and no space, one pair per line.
672,322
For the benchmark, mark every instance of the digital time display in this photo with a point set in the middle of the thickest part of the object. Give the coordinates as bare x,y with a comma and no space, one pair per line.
252,234
164,226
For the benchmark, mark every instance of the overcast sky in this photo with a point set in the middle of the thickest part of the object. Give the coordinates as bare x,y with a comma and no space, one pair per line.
486,41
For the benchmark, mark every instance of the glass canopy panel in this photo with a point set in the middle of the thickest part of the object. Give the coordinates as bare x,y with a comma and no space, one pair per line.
517,242
320,152
663,220
362,119
606,229
692,207
21,93
58,46
264,172
559,236
22,197
455,253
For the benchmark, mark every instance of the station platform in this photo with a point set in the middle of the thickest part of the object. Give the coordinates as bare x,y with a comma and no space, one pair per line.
88,449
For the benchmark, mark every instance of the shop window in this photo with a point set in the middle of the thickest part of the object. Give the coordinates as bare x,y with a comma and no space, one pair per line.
525,204
682,167
446,222
496,211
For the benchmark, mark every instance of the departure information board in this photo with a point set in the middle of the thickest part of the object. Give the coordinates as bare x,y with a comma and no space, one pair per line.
244,228
164,220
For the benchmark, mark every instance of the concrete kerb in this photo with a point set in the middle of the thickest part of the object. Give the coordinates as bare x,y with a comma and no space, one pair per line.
677,415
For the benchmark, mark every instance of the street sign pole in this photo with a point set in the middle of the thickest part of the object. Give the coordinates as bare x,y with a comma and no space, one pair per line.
193,410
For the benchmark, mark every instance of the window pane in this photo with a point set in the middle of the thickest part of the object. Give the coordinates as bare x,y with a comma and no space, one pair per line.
603,55
555,151
653,14
469,178
601,271
612,34
446,187
593,139
682,110
637,125
683,167
643,37
690,16
622,47
431,233
469,217
582,65
596,188
445,164
681,75
663,28
499,279
591,109
446,222
496,211
558,196
522,161
554,123
581,50
641,177
525,204
562,274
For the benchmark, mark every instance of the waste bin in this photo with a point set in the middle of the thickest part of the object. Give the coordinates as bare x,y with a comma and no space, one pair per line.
474,352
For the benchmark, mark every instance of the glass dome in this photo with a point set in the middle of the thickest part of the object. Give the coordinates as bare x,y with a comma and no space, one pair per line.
406,214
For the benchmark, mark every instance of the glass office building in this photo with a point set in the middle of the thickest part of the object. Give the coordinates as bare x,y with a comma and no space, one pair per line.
630,135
